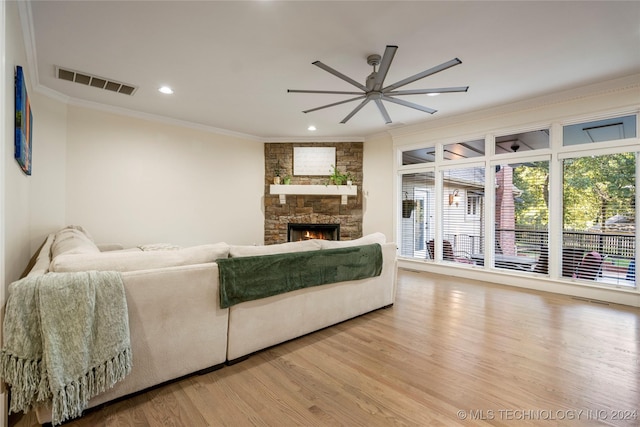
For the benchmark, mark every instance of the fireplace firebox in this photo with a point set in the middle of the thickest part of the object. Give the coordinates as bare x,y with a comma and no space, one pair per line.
298,232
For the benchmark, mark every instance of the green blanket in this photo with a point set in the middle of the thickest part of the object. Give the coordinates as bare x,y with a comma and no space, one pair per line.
249,278
66,339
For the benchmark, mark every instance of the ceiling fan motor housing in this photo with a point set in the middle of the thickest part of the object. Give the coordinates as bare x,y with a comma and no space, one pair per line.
371,80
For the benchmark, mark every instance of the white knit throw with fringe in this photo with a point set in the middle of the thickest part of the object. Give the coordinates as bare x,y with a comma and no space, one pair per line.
66,339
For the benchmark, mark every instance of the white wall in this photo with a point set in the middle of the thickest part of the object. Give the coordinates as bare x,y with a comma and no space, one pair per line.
378,181
133,181
16,184
47,182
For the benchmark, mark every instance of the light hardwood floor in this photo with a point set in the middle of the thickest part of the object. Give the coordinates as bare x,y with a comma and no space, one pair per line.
449,352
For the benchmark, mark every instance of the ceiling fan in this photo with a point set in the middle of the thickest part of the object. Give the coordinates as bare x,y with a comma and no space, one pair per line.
373,90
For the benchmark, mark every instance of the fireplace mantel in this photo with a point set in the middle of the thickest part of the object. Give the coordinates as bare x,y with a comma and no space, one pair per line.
314,190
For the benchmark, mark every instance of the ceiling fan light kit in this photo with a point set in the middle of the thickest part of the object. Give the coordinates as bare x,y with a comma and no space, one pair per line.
374,89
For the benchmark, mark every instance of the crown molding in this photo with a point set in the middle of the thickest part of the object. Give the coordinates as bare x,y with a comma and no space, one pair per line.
54,94
383,134
314,139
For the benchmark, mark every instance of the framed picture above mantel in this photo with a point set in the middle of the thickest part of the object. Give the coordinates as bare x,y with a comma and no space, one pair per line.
313,160
23,123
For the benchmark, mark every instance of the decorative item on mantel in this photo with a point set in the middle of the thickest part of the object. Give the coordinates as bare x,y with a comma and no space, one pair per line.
339,178
276,173
286,180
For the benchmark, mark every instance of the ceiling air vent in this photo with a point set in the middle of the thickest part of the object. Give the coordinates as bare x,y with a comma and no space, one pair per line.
95,81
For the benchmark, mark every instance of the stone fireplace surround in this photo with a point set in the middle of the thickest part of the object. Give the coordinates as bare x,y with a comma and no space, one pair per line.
306,209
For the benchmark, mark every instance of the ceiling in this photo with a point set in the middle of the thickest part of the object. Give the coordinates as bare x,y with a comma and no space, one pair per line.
230,63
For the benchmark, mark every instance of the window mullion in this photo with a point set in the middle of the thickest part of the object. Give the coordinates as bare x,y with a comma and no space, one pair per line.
490,214
439,211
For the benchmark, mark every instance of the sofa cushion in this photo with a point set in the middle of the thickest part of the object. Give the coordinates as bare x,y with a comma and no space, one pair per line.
139,260
73,240
280,248
364,240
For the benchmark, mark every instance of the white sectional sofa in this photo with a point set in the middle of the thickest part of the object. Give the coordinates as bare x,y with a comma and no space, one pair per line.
177,326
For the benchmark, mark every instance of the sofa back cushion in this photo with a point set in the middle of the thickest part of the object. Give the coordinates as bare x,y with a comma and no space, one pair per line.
280,248
364,240
139,260
73,240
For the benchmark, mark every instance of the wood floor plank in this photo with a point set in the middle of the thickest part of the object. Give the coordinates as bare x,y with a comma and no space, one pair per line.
450,352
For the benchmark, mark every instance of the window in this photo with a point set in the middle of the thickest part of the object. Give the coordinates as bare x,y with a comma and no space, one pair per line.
525,141
600,130
417,213
522,216
464,150
599,232
422,155
474,204
462,235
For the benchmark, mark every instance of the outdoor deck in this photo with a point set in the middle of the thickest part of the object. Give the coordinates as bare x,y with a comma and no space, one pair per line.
613,254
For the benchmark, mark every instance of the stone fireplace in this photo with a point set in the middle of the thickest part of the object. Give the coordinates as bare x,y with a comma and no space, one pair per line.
312,209
299,232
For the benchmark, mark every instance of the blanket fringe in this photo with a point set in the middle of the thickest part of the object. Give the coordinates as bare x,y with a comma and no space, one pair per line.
24,377
29,384
73,398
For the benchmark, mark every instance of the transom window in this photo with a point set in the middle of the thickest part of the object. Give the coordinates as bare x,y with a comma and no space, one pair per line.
521,142
464,150
600,131
422,155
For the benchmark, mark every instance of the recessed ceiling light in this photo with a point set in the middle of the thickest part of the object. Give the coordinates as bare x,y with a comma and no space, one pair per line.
166,89
311,128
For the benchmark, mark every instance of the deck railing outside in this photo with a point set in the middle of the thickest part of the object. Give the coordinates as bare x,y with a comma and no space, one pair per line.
616,249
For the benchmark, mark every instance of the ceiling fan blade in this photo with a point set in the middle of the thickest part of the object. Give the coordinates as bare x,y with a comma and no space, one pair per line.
425,91
355,110
409,104
340,75
335,92
389,53
335,103
423,74
383,111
